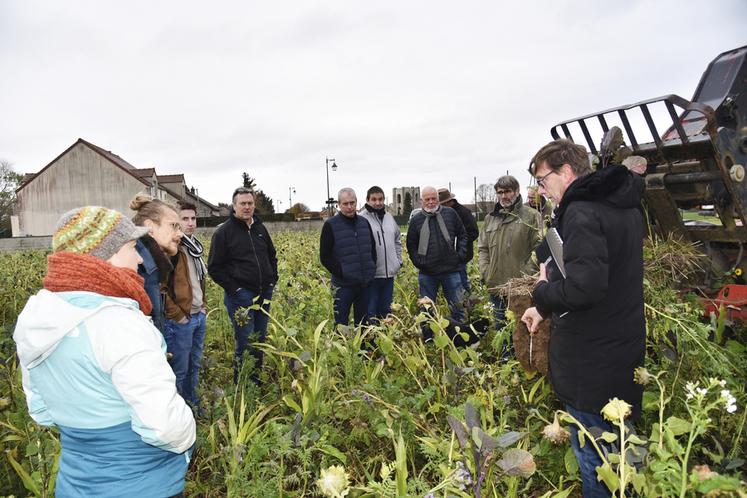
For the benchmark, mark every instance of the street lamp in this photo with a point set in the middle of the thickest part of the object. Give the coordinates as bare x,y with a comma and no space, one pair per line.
290,201
330,200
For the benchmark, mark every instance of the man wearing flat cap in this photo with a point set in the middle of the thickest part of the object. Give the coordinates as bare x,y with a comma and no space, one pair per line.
446,198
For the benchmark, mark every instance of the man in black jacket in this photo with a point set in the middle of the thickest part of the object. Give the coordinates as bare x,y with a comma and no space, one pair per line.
446,198
437,246
243,261
348,250
598,324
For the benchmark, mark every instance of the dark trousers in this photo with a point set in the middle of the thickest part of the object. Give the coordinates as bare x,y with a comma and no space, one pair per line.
380,292
355,296
587,457
451,283
251,325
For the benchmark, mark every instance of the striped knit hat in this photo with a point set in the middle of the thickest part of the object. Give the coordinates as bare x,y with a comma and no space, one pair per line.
94,230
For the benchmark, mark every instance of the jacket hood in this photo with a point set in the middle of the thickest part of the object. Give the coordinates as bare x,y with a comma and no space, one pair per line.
49,316
615,186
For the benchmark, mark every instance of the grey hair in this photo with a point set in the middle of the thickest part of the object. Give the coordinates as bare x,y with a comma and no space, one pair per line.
346,190
507,182
427,187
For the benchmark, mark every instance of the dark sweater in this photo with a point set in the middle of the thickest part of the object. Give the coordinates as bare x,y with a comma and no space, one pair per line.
470,226
242,257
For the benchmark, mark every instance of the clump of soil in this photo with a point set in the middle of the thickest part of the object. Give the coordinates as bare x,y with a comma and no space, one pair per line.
518,293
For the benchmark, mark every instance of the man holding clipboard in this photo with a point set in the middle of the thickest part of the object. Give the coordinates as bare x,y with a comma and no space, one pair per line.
592,285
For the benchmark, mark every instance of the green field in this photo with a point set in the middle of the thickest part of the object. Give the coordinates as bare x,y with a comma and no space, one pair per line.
380,420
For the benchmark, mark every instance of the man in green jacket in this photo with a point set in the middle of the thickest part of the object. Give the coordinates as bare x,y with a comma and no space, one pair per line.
508,237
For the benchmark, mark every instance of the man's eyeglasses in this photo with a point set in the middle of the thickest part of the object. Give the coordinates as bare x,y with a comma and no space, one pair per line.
541,179
177,227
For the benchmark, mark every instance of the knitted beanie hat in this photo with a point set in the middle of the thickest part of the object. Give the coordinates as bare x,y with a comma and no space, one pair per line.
94,230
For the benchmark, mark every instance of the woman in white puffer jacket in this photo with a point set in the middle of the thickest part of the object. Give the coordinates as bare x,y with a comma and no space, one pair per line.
94,366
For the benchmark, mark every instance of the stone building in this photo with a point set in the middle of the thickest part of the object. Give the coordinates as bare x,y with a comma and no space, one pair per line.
400,199
86,174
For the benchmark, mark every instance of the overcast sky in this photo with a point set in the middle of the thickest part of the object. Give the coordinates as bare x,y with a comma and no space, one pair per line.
400,93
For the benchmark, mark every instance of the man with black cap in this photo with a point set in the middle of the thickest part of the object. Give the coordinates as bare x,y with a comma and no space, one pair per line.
446,198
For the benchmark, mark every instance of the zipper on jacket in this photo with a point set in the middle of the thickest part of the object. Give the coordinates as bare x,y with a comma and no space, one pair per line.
254,251
381,231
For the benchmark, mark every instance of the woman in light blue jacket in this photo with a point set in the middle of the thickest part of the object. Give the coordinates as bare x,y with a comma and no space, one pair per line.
94,366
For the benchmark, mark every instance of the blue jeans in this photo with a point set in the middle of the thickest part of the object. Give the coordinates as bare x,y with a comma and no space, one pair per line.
355,296
452,287
184,341
380,292
587,457
465,279
253,326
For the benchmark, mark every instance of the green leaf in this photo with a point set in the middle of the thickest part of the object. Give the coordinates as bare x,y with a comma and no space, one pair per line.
291,403
581,439
571,464
385,344
608,476
650,401
609,437
32,449
639,481
633,439
28,481
440,339
678,426
510,438
334,452
476,438
613,458
720,483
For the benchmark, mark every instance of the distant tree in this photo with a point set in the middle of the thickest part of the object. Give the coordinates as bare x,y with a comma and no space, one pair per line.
262,203
248,181
9,182
297,208
407,208
485,195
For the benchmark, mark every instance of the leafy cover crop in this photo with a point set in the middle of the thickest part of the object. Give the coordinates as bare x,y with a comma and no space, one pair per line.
335,417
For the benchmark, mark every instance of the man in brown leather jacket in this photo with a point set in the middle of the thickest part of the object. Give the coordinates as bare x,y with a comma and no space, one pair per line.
185,308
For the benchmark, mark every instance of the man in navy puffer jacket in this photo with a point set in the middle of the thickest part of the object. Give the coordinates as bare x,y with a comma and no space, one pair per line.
347,249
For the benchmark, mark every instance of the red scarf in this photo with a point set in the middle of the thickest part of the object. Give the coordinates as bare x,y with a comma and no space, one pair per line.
68,271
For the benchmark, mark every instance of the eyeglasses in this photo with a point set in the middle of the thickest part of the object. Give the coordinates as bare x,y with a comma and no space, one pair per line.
504,192
177,227
541,179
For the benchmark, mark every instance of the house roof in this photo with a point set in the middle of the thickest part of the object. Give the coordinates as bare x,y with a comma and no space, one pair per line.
113,158
144,172
201,200
109,155
143,175
170,178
